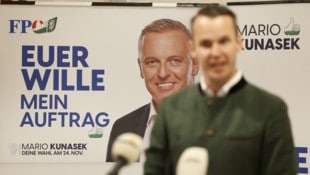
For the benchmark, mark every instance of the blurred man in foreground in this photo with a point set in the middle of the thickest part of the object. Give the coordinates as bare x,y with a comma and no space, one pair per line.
245,129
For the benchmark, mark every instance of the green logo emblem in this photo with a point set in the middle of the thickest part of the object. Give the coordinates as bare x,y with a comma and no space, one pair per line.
292,28
40,27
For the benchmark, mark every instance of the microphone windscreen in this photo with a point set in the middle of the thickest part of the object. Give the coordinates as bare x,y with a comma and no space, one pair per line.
127,146
193,161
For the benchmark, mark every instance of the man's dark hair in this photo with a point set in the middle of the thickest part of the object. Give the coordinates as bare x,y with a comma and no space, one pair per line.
215,11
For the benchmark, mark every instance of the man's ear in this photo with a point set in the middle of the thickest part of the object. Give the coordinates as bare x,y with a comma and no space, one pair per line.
195,66
191,48
239,40
140,68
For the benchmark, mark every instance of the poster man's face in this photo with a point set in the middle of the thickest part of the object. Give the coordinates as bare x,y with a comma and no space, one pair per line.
165,63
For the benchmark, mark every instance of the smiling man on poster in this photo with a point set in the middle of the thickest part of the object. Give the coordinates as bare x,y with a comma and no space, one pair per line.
166,67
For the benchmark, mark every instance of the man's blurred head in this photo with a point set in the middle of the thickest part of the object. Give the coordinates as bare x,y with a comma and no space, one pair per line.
216,43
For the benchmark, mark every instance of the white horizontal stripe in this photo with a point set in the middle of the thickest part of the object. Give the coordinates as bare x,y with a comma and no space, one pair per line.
57,3
164,4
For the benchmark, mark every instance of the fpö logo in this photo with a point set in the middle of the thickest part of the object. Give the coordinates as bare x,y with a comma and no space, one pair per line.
271,36
37,26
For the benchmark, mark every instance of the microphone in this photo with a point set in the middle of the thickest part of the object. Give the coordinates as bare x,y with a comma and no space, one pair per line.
193,161
125,150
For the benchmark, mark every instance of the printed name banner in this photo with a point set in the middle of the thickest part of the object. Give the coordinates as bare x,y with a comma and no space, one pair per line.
68,73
